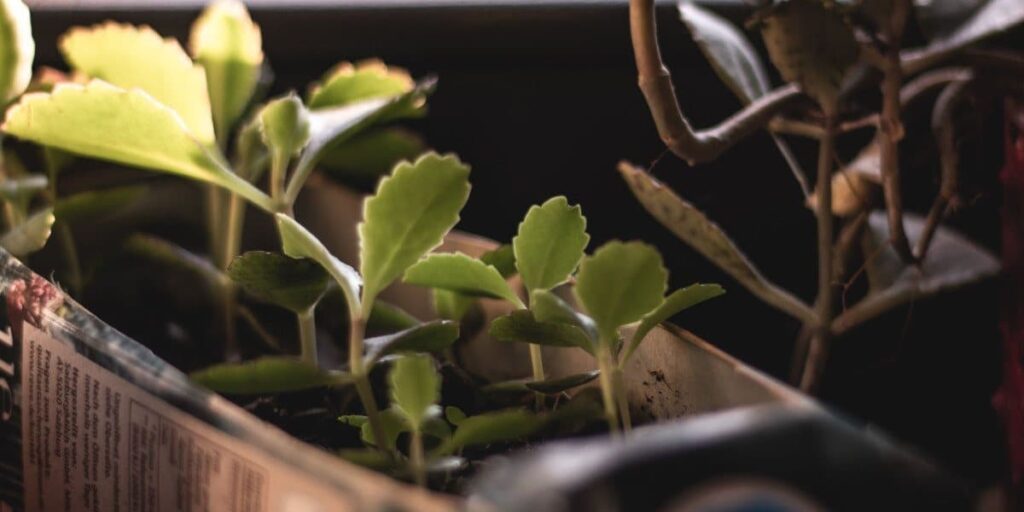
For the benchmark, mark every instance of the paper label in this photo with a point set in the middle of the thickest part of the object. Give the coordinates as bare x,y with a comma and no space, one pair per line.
92,441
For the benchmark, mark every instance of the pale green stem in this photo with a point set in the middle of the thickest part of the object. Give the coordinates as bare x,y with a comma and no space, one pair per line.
307,337
623,400
416,459
360,374
607,368
537,362
70,250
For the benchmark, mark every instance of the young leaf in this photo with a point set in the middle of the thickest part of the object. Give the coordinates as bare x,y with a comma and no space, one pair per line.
619,284
704,236
329,127
428,337
18,49
520,326
229,46
413,209
415,388
91,204
29,236
284,126
267,375
811,45
730,54
462,274
391,420
548,307
993,17
952,261
550,243
348,83
491,428
297,242
124,126
366,157
386,317
294,284
137,57
502,258
676,301
450,305
454,415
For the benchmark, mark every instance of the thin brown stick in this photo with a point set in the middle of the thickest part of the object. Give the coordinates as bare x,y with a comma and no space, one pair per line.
674,129
849,235
949,162
891,130
817,353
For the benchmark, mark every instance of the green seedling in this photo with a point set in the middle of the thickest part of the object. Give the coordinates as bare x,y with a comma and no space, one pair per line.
546,250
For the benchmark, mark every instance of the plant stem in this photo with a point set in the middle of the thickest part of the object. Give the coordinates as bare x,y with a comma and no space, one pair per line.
419,468
70,250
607,368
623,400
360,374
307,336
818,351
537,362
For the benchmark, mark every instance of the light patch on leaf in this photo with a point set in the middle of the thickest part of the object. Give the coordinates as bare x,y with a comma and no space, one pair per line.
17,49
137,57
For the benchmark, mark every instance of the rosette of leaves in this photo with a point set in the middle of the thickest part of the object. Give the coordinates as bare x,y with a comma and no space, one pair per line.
545,252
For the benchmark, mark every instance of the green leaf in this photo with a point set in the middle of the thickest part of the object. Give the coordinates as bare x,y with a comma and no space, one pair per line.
547,387
17,49
267,375
729,52
705,237
460,273
676,301
284,126
503,258
348,83
391,422
298,242
29,236
812,46
952,262
619,284
548,307
550,243
428,337
93,204
229,46
17,190
415,388
371,458
366,157
173,256
386,317
129,127
329,127
454,415
520,326
410,214
294,284
491,428
137,57
450,305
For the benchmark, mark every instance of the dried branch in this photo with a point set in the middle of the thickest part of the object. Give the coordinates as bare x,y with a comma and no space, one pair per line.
891,129
674,129
949,161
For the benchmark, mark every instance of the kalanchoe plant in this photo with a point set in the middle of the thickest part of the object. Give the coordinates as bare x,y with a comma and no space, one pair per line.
830,52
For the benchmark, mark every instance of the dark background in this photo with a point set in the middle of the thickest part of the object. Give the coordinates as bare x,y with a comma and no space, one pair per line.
540,98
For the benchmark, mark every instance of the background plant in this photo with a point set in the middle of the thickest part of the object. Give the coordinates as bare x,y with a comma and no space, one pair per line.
830,53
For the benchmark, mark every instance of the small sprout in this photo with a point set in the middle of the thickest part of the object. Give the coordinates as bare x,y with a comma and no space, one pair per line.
676,301
461,274
550,243
415,391
284,128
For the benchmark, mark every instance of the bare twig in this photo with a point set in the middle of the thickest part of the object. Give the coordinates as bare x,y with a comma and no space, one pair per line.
817,353
656,84
949,162
891,129
849,235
